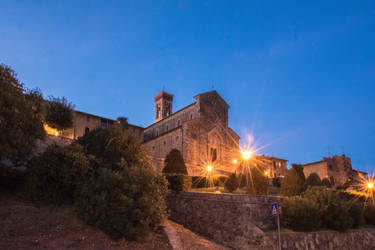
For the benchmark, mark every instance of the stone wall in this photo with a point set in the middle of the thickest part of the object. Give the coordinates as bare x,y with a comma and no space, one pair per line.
238,221
351,240
230,219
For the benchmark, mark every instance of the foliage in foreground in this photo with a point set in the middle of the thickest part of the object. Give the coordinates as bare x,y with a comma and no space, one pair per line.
21,115
300,214
128,203
57,174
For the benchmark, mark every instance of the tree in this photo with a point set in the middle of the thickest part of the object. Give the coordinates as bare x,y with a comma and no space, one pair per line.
232,183
326,182
258,182
174,163
59,113
292,184
299,169
313,180
21,116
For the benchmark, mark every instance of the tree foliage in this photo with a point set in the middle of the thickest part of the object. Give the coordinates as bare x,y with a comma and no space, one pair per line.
174,163
299,170
258,182
326,183
57,174
232,183
313,180
21,115
292,184
59,113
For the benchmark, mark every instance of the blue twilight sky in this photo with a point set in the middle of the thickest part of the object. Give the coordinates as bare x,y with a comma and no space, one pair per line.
299,76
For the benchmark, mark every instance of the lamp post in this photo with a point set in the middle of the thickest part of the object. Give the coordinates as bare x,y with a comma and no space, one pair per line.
246,156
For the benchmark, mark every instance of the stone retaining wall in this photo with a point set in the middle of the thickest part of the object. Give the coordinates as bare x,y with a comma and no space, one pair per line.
230,219
237,221
351,240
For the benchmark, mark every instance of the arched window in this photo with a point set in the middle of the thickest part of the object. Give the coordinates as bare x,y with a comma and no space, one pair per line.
191,116
87,130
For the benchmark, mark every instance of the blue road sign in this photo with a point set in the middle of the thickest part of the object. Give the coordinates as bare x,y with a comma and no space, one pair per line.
274,209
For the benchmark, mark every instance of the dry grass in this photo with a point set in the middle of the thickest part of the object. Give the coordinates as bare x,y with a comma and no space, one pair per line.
23,225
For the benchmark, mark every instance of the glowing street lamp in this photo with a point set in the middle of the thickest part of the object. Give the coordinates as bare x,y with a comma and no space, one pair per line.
209,168
370,185
246,154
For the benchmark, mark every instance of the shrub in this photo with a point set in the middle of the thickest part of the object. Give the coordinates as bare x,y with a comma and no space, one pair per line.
276,182
299,170
220,181
174,163
116,146
11,177
313,180
127,203
199,182
326,183
258,182
57,174
232,183
292,183
178,182
370,213
300,214
334,210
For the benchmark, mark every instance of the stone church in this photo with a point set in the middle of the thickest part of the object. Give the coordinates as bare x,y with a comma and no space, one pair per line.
200,131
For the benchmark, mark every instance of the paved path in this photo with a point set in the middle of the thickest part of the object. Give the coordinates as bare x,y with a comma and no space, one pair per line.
183,239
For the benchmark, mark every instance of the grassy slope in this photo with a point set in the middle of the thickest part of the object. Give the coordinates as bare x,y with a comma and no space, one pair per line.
26,226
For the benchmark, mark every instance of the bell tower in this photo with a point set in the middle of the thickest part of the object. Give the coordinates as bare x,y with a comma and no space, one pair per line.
163,105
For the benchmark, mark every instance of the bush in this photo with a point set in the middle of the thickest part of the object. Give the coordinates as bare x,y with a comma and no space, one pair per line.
276,182
199,182
220,181
300,214
258,182
299,170
127,203
370,213
174,163
292,183
326,183
178,182
334,210
57,174
313,180
232,183
11,177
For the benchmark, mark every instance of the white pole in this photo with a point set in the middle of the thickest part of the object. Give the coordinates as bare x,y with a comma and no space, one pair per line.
278,226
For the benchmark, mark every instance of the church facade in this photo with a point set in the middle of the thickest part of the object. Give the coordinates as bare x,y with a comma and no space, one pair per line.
199,131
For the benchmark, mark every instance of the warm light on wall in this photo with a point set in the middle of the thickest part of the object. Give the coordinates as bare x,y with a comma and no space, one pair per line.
209,168
235,161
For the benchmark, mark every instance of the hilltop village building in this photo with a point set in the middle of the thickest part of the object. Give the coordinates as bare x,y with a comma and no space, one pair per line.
337,169
200,131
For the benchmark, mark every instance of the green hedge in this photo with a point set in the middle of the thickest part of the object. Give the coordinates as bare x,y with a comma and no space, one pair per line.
127,203
300,214
199,182
57,174
11,177
232,183
178,182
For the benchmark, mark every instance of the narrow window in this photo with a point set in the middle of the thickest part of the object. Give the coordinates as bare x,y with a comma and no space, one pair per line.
179,122
191,116
87,130
87,118
167,128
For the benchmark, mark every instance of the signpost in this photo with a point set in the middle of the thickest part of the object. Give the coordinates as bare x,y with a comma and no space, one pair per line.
275,212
